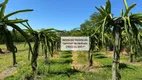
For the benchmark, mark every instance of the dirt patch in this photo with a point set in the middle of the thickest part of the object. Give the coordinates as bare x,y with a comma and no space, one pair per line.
109,54
136,63
7,72
4,51
84,68
80,66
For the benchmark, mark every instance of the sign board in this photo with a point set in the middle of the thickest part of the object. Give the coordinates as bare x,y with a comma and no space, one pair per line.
75,43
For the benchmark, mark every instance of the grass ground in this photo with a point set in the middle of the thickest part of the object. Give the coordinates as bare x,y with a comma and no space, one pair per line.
60,68
6,59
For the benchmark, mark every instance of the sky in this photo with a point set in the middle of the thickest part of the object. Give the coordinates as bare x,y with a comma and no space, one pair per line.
62,14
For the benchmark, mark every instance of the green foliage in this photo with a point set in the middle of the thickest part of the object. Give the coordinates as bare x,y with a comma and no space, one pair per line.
75,32
21,59
47,38
5,23
126,22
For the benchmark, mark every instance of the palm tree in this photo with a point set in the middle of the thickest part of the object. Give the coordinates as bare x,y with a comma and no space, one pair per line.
5,23
126,21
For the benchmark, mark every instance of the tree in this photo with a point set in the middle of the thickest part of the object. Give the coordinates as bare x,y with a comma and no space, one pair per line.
87,29
5,23
93,35
75,32
134,45
127,21
45,37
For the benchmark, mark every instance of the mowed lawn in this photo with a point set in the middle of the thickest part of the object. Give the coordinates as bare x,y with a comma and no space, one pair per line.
60,67
6,59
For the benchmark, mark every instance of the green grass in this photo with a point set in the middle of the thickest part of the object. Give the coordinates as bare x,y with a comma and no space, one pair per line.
60,68
6,59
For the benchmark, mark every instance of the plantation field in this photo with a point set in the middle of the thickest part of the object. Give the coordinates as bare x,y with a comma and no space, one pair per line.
60,67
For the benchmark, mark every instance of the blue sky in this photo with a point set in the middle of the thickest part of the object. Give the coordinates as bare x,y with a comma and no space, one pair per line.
62,14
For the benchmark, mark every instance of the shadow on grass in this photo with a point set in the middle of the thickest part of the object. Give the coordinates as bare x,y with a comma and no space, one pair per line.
66,56
139,59
121,66
67,72
22,50
62,62
105,66
66,52
124,66
57,62
100,56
